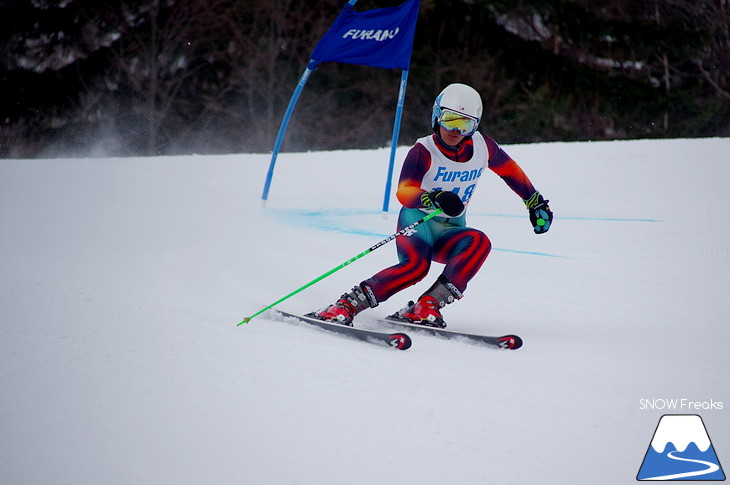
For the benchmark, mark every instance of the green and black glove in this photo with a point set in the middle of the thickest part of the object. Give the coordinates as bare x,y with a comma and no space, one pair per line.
540,214
443,199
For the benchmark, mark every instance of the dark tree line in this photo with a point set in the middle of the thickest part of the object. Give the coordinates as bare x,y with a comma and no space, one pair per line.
146,77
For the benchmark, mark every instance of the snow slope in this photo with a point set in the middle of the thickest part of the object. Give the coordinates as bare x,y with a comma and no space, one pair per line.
123,281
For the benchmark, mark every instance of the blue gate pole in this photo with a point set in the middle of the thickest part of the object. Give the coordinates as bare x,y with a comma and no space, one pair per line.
311,66
394,141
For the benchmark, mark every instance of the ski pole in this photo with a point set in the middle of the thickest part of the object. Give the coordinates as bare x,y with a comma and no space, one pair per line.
404,231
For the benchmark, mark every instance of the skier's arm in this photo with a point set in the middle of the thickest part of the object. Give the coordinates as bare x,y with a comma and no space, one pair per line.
503,165
415,166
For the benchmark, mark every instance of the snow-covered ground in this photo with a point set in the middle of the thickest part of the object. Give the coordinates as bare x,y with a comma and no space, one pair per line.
123,281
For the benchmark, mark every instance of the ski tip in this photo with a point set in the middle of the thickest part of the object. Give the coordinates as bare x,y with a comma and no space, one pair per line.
510,342
245,320
400,341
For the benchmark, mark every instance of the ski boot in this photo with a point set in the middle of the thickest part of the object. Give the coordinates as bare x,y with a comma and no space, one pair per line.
427,310
350,304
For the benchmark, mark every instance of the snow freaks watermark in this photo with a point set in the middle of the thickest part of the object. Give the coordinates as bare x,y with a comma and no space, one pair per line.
679,404
680,449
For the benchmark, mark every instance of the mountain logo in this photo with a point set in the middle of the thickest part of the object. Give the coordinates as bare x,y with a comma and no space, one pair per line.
680,450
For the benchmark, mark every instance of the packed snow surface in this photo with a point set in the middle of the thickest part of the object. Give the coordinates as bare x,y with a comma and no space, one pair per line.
123,281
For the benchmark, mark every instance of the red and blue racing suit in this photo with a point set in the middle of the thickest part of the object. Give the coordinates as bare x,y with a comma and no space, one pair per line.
433,165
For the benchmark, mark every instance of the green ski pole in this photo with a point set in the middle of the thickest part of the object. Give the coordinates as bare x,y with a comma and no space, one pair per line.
405,230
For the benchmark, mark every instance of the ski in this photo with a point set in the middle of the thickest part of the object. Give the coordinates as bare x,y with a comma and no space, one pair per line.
399,340
509,342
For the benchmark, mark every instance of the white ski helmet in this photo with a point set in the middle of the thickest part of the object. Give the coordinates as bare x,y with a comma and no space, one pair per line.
460,100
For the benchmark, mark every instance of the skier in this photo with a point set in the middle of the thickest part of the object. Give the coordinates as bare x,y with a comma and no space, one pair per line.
441,171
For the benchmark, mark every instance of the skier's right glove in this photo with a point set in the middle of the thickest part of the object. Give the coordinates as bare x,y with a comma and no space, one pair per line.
443,199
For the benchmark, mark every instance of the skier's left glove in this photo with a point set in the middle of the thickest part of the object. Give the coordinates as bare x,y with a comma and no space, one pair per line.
540,214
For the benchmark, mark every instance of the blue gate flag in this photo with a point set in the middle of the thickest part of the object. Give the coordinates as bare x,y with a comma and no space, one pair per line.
381,37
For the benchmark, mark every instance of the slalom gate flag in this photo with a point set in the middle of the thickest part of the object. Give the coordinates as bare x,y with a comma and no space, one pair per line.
382,37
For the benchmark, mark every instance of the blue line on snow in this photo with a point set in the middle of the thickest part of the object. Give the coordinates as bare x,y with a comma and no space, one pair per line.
360,212
573,218
331,226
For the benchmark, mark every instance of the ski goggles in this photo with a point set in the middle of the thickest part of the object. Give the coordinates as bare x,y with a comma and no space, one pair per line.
452,121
